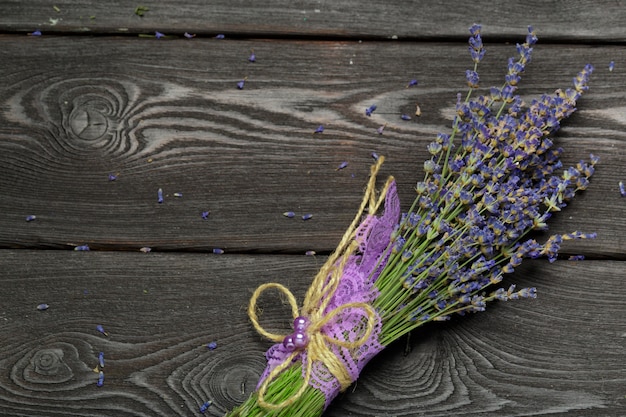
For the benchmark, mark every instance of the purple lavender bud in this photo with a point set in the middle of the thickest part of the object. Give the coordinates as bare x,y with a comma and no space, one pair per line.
189,35
472,78
307,216
241,84
160,196
218,251
611,66
205,215
370,110
211,345
82,248
412,83
100,328
204,407
380,130
158,35
319,129
145,249
100,379
112,177
30,217
101,359
252,57
622,190
375,156
35,33
220,36
576,258
405,117
310,253
289,214
43,307
342,165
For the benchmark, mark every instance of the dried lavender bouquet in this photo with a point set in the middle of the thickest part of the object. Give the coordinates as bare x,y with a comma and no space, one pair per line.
489,183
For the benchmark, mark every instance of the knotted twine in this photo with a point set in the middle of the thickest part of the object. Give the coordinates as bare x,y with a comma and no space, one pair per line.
314,306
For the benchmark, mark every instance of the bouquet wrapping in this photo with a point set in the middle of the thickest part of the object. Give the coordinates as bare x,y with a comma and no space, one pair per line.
490,183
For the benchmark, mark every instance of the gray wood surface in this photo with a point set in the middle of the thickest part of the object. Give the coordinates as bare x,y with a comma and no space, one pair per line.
561,354
579,20
167,114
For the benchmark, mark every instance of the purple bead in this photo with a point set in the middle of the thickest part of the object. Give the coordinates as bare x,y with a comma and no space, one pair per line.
289,343
300,324
300,340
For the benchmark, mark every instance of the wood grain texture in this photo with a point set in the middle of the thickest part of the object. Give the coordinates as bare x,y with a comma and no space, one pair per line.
585,20
167,114
561,354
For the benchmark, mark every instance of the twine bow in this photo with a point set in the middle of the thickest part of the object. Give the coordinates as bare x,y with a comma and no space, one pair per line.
318,296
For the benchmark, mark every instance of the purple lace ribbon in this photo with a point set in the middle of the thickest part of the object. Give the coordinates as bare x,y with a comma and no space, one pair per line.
355,285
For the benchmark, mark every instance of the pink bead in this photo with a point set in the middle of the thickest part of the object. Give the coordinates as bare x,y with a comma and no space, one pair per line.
300,323
289,343
300,340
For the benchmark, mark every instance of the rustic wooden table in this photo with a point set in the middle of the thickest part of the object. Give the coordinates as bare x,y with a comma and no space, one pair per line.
92,96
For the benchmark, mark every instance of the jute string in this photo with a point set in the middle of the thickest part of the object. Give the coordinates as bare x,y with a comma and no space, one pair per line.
319,294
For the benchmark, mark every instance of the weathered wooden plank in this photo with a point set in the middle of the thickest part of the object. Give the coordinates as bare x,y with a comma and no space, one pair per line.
574,20
561,354
167,114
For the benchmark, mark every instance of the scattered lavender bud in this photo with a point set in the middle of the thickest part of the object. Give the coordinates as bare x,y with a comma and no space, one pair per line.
289,214
211,345
252,57
380,130
43,307
82,248
412,83
30,217
100,379
220,36
310,253
179,195
576,258
160,196
241,84
189,35
370,110
35,33
307,216
112,177
405,117
622,190
375,156
145,249
611,66
204,407
101,330
205,215
158,35
101,359
342,165
218,251
319,129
